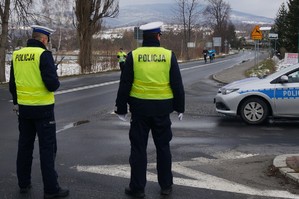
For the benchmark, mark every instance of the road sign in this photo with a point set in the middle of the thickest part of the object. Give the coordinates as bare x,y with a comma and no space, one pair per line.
217,41
273,36
209,44
291,58
191,44
256,33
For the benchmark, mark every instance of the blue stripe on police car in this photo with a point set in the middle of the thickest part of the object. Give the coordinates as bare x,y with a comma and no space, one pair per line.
290,93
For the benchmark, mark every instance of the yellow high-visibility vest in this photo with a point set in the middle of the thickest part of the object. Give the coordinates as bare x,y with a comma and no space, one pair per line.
151,67
31,89
121,56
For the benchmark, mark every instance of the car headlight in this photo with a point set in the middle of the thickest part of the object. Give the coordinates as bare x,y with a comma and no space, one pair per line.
226,91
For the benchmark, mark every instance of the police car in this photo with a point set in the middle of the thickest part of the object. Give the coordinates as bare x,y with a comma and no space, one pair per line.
256,99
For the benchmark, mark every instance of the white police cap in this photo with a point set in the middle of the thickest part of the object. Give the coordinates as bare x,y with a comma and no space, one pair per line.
42,29
153,27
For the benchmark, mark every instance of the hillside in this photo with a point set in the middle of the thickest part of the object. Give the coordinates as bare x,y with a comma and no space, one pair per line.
140,14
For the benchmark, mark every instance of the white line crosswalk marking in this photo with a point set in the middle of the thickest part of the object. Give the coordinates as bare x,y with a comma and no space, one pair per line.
193,178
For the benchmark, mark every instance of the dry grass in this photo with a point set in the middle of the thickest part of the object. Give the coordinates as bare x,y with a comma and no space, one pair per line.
265,67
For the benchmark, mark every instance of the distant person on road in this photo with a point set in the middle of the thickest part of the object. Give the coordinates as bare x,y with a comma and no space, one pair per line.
121,56
33,80
205,53
211,55
152,86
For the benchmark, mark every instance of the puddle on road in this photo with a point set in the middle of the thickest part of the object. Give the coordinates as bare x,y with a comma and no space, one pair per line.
81,122
71,125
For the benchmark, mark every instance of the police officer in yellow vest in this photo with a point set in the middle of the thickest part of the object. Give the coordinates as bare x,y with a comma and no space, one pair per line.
33,80
121,56
152,86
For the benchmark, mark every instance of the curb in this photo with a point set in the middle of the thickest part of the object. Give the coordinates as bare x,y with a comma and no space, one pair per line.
279,162
237,71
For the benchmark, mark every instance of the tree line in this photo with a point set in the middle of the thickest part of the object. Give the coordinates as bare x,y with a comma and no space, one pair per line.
287,27
76,30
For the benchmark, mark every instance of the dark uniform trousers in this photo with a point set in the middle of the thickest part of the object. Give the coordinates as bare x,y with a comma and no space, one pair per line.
160,127
45,129
121,66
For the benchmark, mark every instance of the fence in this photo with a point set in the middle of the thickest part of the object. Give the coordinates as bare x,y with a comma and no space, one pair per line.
68,64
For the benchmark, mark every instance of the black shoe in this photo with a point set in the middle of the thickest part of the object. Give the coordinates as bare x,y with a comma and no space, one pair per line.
166,191
25,189
60,194
136,194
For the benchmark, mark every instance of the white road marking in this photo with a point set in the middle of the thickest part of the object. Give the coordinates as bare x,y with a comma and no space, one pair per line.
194,178
68,126
85,87
200,66
115,82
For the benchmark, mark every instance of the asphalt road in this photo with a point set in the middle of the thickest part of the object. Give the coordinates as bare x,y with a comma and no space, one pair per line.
213,156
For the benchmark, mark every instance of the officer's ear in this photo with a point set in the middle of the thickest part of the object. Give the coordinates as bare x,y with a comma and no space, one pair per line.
159,36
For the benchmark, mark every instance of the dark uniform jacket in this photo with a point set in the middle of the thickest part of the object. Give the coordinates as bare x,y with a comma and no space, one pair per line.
49,77
150,107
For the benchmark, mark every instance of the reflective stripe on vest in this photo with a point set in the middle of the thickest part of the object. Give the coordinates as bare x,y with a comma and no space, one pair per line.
151,73
31,89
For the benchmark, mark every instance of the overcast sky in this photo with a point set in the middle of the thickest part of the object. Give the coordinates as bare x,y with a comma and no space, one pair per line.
267,8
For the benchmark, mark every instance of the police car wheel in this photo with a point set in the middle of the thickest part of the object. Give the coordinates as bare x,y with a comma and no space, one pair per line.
254,111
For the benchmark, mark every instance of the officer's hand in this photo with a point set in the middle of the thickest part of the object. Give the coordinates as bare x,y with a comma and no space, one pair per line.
122,117
180,116
16,109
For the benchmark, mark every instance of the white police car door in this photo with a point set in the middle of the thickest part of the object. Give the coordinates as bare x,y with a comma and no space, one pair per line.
287,96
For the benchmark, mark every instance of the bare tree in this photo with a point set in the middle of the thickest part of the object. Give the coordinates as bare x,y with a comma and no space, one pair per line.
7,7
62,19
57,15
90,14
4,14
217,15
188,14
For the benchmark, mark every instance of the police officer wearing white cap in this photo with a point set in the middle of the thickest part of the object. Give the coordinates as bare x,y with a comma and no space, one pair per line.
151,84
33,80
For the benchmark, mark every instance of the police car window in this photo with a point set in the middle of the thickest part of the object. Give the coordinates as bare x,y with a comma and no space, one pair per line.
294,77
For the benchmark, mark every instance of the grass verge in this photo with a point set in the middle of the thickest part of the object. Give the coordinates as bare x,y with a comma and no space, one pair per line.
265,67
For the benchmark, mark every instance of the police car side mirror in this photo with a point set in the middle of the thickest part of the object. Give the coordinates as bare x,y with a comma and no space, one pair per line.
284,79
